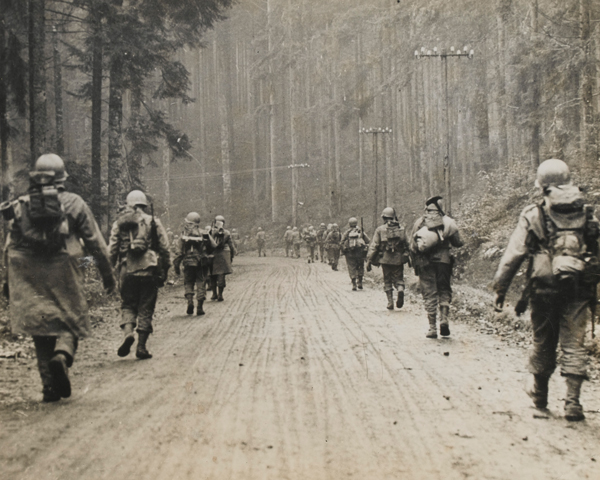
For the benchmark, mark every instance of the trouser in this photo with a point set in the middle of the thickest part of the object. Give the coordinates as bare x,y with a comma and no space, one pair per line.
46,347
558,318
334,256
288,247
138,300
261,247
297,250
195,277
356,266
435,286
322,252
393,276
218,281
311,252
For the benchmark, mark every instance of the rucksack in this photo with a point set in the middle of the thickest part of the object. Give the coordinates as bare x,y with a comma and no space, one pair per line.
355,239
134,230
394,237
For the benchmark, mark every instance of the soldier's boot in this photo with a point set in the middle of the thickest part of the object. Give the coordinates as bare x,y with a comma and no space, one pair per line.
432,332
354,284
128,339
390,297
60,375
400,300
538,391
190,303
573,409
444,325
199,310
220,296
50,394
214,293
359,283
141,352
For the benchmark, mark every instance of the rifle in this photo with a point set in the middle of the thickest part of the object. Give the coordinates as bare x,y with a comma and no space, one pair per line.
161,271
593,310
523,302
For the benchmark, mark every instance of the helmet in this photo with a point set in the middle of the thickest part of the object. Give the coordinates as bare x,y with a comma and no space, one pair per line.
208,228
220,218
552,172
234,230
51,162
295,228
335,225
388,212
288,228
135,198
193,217
322,225
259,229
353,222
329,226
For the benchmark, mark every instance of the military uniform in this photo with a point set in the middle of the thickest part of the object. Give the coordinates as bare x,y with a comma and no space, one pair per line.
141,275
310,238
296,241
321,236
434,266
354,241
260,243
47,298
288,238
221,264
333,246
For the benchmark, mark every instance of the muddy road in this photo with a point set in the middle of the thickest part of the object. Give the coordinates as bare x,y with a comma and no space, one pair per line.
295,376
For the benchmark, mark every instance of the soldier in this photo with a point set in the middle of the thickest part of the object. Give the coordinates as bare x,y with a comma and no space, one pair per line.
45,283
310,238
260,242
321,235
235,238
559,236
192,250
431,238
333,246
170,237
288,238
139,251
327,232
223,257
297,241
389,248
354,241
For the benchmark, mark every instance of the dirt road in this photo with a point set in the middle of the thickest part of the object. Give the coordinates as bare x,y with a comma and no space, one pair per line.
295,376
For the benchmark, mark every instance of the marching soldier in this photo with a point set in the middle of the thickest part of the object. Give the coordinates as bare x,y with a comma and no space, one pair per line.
333,246
288,238
223,257
321,235
45,284
235,238
431,238
260,242
354,241
559,236
389,248
192,249
139,251
311,241
296,241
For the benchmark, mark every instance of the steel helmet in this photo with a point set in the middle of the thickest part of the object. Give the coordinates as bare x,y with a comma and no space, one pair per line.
322,225
353,222
259,229
329,226
135,198
193,217
233,230
295,228
335,225
388,212
51,162
552,172
207,228
220,218
288,228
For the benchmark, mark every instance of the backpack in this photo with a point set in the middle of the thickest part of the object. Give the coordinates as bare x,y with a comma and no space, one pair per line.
355,240
42,221
394,237
134,231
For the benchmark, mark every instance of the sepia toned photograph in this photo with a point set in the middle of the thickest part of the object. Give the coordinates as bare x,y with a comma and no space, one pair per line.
299,239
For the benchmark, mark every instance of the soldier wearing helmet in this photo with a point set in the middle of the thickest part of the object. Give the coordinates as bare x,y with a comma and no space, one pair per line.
296,241
139,250
193,249
431,238
389,248
48,229
288,238
355,243
559,237
310,238
260,242
222,257
235,238
321,236
333,246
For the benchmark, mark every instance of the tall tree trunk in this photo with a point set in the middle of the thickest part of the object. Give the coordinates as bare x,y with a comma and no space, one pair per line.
536,94
272,119
116,167
225,118
58,100
135,165
166,172
37,79
589,133
96,141
3,110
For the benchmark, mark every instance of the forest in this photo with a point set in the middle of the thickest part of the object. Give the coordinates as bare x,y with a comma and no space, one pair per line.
281,112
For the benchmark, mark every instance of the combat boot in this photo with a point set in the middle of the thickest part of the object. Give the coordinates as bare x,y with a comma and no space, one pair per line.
444,326
49,394
390,297
432,333
400,300
60,375
128,339
538,391
220,296
199,310
141,352
360,286
190,303
573,409
214,293
354,284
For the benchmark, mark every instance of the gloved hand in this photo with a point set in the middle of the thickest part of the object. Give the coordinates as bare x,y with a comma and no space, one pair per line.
521,306
369,267
499,302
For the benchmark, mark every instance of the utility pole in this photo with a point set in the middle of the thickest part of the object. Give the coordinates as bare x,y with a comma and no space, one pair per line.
375,132
294,167
444,57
